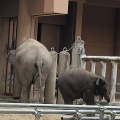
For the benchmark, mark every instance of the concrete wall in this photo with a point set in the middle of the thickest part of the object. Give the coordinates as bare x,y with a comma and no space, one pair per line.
49,30
9,8
98,30
101,33
117,44
50,36
117,34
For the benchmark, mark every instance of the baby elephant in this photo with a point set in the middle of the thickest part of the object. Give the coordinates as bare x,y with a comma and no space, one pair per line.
79,83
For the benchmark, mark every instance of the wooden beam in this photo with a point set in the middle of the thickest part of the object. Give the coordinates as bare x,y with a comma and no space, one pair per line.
108,3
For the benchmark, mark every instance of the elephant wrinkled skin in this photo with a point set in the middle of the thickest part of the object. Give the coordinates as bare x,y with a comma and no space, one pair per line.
79,83
32,66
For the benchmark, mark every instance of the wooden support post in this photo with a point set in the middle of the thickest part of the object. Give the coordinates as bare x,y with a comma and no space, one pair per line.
78,52
113,81
64,65
49,96
92,66
103,69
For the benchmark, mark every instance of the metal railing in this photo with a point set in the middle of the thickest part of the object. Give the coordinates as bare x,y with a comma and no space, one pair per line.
76,112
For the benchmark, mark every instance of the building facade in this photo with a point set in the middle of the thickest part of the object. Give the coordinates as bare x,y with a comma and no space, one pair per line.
96,21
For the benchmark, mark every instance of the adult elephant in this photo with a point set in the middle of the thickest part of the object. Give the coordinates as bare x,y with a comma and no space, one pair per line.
32,66
79,83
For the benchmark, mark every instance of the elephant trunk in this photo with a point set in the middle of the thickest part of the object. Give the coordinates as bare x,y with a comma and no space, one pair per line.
106,96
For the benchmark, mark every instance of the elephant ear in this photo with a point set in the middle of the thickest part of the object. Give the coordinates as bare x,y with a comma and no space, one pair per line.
98,81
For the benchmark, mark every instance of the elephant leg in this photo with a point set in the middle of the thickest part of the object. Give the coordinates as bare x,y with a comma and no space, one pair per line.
68,102
88,97
24,97
41,97
16,87
36,91
67,94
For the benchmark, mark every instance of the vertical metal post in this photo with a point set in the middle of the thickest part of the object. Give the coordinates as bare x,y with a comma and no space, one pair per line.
37,115
93,64
77,116
113,81
101,117
113,114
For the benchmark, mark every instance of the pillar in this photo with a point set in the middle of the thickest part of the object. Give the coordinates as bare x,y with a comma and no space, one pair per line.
26,25
49,94
78,51
24,22
79,13
64,65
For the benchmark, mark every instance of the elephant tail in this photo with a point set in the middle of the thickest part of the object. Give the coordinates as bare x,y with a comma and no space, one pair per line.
39,64
39,73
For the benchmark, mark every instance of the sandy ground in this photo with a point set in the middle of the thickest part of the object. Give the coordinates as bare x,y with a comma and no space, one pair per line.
23,116
28,117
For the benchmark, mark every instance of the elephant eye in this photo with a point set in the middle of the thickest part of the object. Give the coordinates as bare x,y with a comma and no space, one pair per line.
104,91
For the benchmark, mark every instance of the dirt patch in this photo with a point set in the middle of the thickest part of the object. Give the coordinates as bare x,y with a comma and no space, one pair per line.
28,117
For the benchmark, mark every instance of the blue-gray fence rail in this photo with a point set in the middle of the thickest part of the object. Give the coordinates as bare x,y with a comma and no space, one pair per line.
76,111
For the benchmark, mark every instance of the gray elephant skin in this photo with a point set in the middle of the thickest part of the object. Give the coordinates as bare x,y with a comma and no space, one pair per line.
79,83
32,66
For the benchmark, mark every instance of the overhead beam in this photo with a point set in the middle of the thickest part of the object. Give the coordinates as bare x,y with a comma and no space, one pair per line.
108,3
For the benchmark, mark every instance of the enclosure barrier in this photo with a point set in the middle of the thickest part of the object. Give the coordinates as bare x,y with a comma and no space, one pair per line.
76,112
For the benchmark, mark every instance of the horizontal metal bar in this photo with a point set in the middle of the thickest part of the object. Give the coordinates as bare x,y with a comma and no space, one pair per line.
86,118
83,118
49,111
59,106
76,111
101,58
16,111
